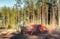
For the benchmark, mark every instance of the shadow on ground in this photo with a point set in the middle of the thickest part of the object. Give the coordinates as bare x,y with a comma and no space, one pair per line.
19,36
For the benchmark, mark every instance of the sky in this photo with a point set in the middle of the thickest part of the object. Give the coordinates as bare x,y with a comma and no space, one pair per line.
7,3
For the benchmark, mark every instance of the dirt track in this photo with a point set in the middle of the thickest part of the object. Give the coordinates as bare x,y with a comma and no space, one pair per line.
21,36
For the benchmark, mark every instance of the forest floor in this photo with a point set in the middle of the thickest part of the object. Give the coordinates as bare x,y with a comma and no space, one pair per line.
25,36
18,35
